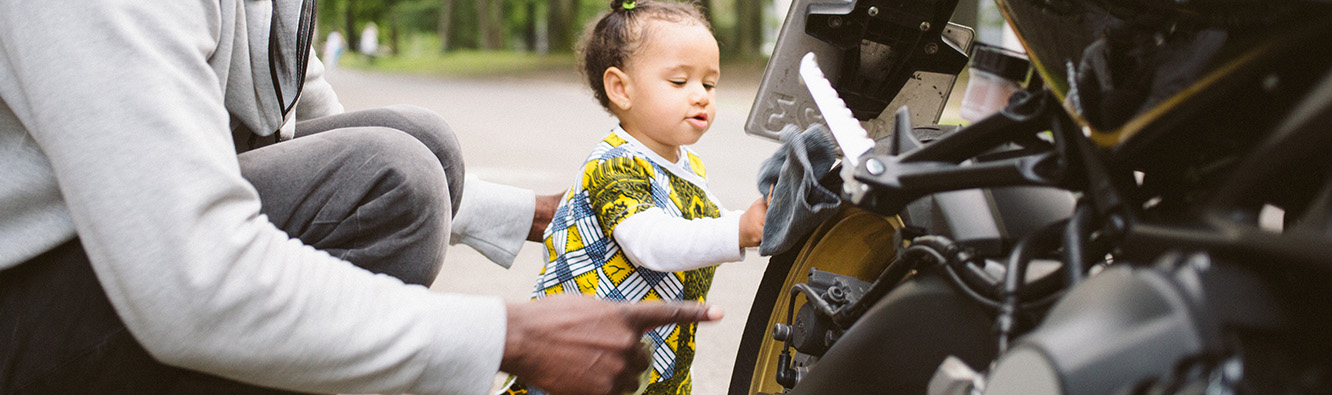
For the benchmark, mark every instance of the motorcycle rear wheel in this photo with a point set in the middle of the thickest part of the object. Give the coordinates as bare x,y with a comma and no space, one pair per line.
854,242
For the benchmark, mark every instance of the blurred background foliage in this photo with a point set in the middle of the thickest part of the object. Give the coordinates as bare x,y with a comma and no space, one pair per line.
474,37
539,26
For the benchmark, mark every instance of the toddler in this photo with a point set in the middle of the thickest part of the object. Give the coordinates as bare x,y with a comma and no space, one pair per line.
641,224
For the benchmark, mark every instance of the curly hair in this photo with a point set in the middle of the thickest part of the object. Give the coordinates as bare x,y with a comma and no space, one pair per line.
620,33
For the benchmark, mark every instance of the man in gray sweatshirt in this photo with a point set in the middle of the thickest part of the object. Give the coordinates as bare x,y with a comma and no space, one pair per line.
140,253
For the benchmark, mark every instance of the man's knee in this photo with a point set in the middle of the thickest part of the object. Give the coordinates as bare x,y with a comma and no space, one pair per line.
434,132
409,202
427,126
405,168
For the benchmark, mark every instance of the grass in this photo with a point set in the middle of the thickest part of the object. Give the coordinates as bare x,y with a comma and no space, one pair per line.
483,64
474,64
420,55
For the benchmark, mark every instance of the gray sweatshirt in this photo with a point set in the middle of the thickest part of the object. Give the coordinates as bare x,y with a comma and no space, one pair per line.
115,126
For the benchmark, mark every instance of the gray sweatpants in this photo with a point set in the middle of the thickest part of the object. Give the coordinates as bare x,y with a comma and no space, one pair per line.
365,186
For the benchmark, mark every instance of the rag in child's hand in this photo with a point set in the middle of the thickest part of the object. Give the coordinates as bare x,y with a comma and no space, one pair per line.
799,203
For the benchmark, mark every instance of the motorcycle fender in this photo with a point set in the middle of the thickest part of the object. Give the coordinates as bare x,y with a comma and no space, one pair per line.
896,347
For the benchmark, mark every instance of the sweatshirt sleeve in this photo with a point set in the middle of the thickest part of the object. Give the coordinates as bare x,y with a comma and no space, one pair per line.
493,219
121,97
660,242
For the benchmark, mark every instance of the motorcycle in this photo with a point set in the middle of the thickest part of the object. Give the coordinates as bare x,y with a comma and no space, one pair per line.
1150,212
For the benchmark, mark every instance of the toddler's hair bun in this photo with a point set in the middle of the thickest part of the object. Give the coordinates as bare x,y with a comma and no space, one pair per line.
623,5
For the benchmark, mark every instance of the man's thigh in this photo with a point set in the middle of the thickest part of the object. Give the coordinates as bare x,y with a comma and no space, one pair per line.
424,125
370,195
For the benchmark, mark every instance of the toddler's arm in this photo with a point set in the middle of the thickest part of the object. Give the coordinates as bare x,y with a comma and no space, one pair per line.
661,242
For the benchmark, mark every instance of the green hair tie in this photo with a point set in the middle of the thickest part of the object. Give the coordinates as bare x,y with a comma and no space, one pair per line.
629,5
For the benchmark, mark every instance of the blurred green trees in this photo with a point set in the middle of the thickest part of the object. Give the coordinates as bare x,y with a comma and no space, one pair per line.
537,26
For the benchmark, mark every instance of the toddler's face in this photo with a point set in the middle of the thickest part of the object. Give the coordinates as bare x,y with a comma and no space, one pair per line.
672,86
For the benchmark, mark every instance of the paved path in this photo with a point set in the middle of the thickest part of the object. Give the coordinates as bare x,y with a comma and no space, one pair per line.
534,133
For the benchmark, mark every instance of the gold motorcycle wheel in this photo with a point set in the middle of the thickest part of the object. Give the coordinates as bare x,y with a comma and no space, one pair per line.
854,242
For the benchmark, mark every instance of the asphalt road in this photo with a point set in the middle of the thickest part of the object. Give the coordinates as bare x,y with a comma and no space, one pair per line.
534,132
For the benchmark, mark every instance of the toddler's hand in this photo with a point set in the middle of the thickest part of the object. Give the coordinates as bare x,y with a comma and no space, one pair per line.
751,223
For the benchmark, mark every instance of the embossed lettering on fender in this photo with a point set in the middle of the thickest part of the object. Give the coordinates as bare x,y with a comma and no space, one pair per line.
781,109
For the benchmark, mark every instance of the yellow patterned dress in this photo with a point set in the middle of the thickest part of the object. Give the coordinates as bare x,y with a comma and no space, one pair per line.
621,178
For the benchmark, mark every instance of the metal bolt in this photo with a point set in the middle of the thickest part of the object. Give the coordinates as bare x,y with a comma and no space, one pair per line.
835,22
924,26
781,332
874,166
836,295
874,11
931,48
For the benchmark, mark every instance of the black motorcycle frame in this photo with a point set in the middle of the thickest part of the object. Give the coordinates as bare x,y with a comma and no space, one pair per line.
1035,142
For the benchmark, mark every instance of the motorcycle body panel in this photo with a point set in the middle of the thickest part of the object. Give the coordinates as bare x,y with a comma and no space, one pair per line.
1164,319
987,219
1128,73
896,346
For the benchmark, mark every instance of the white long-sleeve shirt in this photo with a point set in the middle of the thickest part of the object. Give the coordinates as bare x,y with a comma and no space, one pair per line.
661,242
114,127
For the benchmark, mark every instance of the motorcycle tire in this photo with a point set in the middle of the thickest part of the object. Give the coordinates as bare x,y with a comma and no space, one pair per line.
854,242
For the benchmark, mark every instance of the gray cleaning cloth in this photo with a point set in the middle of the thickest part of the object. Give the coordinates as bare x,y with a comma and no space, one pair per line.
799,203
